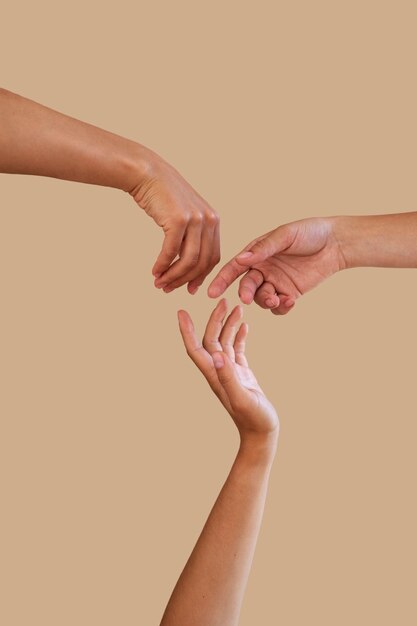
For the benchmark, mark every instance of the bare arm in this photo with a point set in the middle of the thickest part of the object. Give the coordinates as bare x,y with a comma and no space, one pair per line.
378,240
211,587
37,140
282,265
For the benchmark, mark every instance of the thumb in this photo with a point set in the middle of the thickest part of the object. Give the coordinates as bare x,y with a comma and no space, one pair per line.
228,377
263,248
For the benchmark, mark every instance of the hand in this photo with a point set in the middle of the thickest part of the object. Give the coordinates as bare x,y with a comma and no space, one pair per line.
191,226
221,359
282,265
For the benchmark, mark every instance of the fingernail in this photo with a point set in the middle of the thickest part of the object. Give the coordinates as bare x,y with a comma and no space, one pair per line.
245,295
168,289
270,302
213,292
218,360
245,255
157,275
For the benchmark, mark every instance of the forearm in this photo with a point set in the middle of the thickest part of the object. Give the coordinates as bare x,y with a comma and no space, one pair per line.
211,587
37,140
378,240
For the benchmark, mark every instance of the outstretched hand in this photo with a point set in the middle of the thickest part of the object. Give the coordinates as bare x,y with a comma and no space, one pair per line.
282,265
191,246
221,358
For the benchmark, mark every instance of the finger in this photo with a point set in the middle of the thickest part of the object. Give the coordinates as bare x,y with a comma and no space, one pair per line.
285,306
265,247
228,333
214,327
233,269
240,345
191,343
189,255
214,249
249,284
203,267
266,296
170,250
225,278
229,380
195,350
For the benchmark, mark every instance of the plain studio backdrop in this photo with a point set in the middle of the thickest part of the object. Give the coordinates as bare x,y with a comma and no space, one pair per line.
112,448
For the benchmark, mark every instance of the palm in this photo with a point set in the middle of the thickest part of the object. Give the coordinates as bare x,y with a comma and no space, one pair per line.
259,414
241,395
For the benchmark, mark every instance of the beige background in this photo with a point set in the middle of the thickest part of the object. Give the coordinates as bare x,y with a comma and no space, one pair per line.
111,448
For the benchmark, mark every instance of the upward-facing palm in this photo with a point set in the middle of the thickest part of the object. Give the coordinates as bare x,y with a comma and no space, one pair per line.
282,265
231,379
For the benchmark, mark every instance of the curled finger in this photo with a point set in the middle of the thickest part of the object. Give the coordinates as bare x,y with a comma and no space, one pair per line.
187,262
171,247
213,246
249,285
266,297
286,304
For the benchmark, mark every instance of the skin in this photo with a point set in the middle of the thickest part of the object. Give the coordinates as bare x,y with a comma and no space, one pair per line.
285,263
211,587
37,140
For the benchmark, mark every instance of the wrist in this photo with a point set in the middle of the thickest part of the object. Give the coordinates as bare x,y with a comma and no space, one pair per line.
348,235
258,448
138,165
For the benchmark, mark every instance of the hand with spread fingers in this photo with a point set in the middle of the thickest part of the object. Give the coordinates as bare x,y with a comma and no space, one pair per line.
221,358
282,265
211,587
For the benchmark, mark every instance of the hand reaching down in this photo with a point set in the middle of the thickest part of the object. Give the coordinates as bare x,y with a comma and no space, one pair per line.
221,358
39,141
191,247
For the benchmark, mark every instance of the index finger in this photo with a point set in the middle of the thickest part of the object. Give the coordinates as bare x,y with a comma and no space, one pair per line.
229,272
170,250
225,278
195,350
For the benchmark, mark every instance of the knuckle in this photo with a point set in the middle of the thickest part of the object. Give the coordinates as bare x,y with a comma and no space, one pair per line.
192,261
208,345
181,219
212,218
170,251
173,281
197,219
260,245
